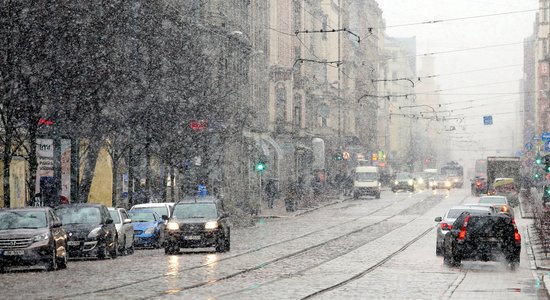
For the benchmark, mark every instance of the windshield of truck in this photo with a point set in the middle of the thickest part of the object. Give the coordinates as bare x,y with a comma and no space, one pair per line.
367,176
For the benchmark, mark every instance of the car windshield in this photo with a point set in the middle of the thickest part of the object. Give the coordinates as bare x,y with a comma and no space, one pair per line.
455,212
440,177
195,210
160,210
492,200
142,216
79,215
366,176
22,219
114,216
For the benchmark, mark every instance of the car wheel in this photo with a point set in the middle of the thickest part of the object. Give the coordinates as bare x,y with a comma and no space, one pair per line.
228,241
377,196
130,250
220,246
114,250
102,250
355,196
52,263
438,251
122,248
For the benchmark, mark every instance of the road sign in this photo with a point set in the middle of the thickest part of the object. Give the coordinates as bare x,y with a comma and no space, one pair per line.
547,146
488,120
545,136
529,146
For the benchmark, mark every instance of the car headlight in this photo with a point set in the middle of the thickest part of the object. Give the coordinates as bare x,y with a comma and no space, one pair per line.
211,225
41,237
95,232
410,182
447,183
172,226
420,180
396,182
150,230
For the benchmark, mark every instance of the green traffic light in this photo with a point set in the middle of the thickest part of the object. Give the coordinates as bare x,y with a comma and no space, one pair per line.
260,166
538,161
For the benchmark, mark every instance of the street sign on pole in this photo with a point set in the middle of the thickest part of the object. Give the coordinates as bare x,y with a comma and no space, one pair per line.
545,136
547,146
488,120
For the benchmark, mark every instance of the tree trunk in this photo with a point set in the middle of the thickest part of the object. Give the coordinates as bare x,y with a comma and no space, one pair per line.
172,185
115,180
89,169
130,177
75,168
6,172
56,170
33,163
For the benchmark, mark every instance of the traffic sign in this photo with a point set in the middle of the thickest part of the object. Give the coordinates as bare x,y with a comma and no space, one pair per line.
488,120
529,146
547,146
545,136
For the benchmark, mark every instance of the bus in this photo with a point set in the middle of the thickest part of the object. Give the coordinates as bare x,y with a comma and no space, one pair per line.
480,168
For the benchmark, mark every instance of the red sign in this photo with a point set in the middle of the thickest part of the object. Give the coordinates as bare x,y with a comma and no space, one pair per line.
198,126
43,121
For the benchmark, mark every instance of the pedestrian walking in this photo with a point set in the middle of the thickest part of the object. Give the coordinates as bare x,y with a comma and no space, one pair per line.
271,192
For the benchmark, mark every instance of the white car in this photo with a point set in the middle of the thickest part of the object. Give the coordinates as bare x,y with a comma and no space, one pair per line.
162,208
125,230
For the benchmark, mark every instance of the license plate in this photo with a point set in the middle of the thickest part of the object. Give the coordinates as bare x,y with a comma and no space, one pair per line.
192,237
73,243
492,240
14,252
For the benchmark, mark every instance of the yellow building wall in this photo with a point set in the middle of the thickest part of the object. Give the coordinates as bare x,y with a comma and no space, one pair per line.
101,190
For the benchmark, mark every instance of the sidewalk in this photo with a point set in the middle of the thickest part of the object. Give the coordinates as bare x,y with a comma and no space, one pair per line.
279,209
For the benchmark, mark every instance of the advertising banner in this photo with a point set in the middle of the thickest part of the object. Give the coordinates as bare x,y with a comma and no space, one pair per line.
44,173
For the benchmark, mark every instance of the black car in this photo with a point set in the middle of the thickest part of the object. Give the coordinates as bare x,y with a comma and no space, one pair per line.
482,235
197,223
90,230
31,236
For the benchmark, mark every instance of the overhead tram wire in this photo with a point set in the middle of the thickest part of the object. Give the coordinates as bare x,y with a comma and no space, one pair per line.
431,22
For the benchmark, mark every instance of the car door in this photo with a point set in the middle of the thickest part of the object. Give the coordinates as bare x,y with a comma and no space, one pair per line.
127,228
58,232
109,227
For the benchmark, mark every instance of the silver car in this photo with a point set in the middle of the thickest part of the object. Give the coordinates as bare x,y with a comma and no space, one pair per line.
445,223
124,228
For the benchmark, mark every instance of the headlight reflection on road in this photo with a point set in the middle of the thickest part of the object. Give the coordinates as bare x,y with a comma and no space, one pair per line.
173,270
211,260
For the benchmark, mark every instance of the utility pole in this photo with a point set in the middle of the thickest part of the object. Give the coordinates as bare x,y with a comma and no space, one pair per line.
338,70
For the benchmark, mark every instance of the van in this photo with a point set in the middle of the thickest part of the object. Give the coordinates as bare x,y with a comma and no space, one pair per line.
366,182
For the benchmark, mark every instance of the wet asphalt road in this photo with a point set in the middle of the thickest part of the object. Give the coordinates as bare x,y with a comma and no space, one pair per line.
357,249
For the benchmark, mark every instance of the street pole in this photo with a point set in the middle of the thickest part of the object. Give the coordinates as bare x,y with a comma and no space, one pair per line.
260,197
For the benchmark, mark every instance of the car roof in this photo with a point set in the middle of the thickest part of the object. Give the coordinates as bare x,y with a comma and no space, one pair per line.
206,199
145,211
38,208
473,206
81,205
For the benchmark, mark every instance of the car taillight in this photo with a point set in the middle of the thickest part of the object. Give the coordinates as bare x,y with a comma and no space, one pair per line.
517,237
445,226
462,233
478,184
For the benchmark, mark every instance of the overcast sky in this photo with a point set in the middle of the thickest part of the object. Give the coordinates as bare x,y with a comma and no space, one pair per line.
450,35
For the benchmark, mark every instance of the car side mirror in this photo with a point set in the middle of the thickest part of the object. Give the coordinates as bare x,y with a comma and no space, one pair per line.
164,217
56,224
127,221
438,219
109,221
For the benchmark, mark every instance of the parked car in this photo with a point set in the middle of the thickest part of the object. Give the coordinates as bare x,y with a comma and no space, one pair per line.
32,236
197,223
440,182
90,230
148,228
482,236
162,208
124,228
403,181
446,223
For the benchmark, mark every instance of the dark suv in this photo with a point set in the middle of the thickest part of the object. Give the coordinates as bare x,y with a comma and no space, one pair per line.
90,230
196,223
483,236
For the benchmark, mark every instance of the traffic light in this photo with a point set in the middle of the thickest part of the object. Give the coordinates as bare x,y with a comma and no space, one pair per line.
546,160
337,156
260,166
538,160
